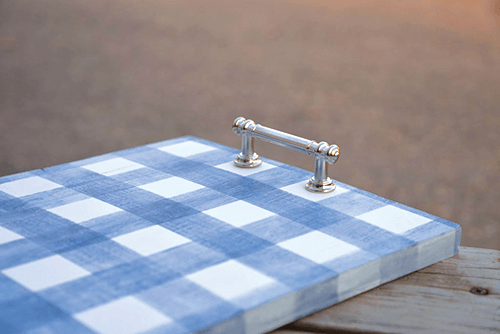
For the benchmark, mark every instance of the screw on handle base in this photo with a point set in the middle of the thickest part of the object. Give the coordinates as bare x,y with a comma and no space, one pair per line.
324,153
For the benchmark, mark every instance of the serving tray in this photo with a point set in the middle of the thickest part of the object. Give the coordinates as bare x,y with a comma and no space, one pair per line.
173,237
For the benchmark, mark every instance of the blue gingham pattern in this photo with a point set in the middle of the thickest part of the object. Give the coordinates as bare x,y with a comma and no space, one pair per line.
172,238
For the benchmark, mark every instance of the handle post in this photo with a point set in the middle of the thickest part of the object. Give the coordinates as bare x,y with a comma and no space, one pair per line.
320,181
247,157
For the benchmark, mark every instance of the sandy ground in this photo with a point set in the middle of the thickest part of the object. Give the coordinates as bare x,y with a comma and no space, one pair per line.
409,90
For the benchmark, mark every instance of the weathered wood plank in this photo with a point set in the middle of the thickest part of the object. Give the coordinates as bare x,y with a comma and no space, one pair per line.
435,299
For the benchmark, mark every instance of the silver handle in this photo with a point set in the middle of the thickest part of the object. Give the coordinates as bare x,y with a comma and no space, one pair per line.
324,153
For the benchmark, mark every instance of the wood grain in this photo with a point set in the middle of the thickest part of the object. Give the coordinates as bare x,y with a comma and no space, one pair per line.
436,299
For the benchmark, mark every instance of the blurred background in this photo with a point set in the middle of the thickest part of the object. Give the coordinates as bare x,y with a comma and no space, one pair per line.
410,90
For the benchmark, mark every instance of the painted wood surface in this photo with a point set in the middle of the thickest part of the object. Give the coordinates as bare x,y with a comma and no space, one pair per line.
172,238
436,299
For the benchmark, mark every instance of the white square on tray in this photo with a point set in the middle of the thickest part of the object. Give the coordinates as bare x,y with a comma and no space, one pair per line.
318,247
151,240
127,315
299,189
45,273
239,213
113,166
8,236
28,186
230,280
231,167
393,219
84,210
187,148
171,187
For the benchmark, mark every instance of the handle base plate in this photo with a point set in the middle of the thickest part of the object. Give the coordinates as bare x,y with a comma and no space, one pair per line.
248,161
324,186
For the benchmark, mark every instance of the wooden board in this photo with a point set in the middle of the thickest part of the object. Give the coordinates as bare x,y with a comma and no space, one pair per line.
173,238
437,299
